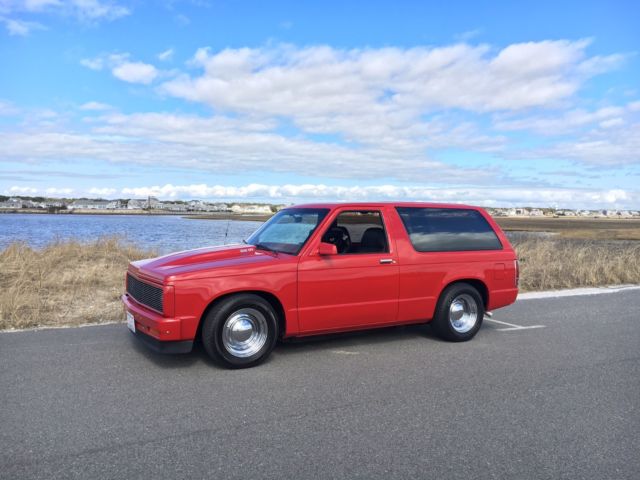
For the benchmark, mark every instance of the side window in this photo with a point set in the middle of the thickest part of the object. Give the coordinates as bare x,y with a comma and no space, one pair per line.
358,231
448,229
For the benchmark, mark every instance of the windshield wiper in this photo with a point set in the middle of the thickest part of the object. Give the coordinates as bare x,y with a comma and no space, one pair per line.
261,246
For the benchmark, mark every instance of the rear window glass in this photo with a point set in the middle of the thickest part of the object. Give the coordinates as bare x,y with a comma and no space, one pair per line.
448,229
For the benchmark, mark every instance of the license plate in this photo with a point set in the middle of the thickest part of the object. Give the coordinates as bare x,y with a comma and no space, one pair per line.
131,323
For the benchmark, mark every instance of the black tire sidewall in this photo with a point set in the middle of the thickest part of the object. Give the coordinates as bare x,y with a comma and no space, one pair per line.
441,322
214,323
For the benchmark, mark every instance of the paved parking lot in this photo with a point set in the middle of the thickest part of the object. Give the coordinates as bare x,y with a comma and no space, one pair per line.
561,400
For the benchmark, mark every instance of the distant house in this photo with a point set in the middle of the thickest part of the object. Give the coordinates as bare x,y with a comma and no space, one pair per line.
173,207
88,205
12,203
116,205
197,206
566,213
142,204
251,209
536,212
136,204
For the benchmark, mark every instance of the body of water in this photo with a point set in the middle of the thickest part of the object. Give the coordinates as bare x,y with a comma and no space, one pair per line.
162,233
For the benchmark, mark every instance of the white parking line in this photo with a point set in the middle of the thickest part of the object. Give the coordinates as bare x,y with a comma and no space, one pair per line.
511,326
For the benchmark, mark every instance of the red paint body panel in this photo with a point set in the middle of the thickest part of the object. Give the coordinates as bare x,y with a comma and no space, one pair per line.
323,293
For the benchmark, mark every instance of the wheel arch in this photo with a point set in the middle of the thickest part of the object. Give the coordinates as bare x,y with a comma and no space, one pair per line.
273,300
477,283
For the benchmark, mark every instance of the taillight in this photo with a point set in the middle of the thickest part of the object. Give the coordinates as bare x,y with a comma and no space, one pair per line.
517,266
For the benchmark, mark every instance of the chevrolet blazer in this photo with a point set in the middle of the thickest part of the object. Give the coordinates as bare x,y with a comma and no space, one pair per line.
322,268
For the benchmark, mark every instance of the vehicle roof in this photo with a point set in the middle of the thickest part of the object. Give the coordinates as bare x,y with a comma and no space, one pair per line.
382,204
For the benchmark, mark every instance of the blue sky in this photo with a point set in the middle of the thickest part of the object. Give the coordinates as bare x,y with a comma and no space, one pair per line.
494,103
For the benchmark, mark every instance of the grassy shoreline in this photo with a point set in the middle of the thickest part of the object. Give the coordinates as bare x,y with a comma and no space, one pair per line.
73,283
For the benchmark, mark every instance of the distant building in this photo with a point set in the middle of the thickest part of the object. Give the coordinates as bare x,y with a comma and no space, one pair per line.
251,209
142,203
88,205
12,203
566,213
116,205
136,204
172,207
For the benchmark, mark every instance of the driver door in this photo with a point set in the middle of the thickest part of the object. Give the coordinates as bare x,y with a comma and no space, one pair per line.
357,287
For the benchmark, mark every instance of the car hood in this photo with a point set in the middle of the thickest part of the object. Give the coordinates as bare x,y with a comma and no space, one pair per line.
207,261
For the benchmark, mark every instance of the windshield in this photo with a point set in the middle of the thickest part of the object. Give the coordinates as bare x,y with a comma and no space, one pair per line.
288,230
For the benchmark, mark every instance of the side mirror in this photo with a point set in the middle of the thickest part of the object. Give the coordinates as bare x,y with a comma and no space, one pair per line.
327,249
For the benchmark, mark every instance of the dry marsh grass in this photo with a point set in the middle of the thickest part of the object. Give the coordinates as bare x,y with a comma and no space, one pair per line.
73,283
575,227
65,283
555,263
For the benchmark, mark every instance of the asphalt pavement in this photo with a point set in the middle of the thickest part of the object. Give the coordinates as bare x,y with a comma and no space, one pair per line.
559,401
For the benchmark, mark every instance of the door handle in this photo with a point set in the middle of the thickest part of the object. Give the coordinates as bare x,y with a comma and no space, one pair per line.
387,260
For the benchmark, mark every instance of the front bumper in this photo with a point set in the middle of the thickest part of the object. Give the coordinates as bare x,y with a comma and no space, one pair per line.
159,333
175,346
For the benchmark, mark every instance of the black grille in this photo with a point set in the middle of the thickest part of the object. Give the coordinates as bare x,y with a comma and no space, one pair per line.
144,293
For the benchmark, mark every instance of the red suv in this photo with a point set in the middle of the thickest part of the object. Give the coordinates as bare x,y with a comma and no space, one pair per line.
321,268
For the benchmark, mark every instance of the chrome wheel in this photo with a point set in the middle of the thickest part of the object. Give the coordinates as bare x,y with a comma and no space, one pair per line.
244,333
463,313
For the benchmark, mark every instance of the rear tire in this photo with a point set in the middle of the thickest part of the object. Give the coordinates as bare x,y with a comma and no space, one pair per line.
459,313
240,331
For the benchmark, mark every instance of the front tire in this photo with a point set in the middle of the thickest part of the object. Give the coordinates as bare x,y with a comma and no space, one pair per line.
240,331
459,313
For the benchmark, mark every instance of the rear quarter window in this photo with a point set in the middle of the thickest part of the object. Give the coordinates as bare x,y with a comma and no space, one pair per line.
448,229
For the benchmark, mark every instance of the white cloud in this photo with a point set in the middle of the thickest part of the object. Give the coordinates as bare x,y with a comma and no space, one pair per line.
612,122
563,122
226,145
39,5
93,63
618,144
93,10
362,115
135,72
166,55
33,191
95,106
297,193
19,190
20,28
381,96
577,198
289,80
87,11
83,9
123,68
231,145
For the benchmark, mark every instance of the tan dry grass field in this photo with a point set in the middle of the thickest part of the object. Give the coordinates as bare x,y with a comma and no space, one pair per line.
66,283
72,283
575,227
